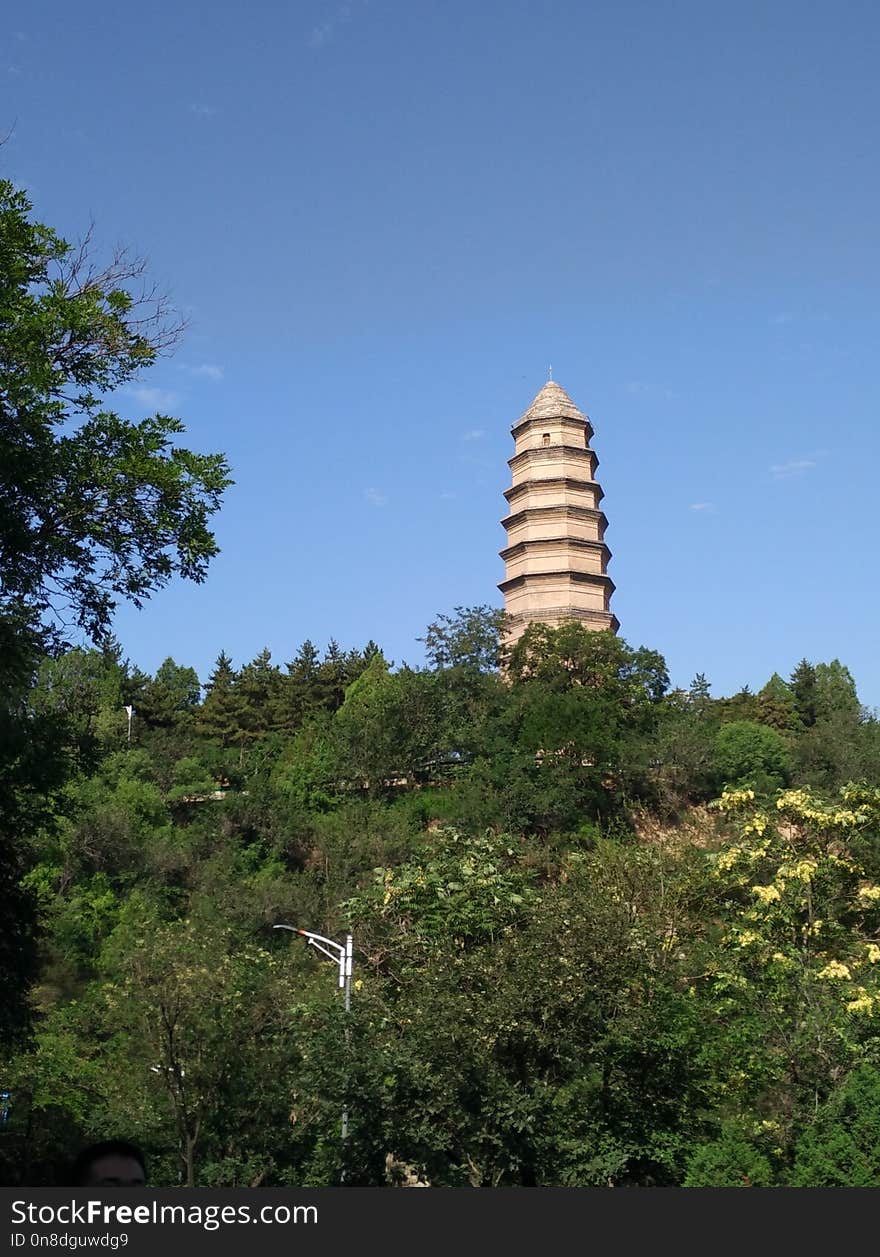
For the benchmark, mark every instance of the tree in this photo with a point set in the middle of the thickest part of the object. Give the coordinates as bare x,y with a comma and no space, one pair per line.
470,638
830,749
200,1005
749,752
803,688
569,742
93,508
534,1032
298,693
682,750
732,1160
218,718
836,692
389,726
699,697
83,691
573,656
842,1146
257,690
793,968
776,706
171,696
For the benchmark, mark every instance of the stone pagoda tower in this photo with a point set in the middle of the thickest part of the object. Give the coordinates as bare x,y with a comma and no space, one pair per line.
556,557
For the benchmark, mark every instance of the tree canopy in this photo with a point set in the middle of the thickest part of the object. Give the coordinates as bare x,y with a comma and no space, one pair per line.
94,508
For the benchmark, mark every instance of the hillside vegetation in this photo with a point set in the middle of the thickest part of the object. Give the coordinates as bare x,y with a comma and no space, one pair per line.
572,967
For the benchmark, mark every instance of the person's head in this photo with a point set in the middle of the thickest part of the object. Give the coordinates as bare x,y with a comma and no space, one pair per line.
111,1163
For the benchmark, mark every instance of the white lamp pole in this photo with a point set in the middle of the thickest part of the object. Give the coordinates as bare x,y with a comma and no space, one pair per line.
342,956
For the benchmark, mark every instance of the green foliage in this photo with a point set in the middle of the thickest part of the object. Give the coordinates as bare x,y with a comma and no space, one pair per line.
459,889
732,1160
192,781
776,706
82,690
565,974
93,507
571,656
803,689
841,1148
469,639
170,696
748,752
793,968
218,718
389,727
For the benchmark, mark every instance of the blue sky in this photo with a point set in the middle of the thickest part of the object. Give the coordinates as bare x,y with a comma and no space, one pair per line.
385,219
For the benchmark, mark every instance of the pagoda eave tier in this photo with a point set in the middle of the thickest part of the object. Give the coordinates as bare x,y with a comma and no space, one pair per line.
553,482
553,616
540,423
551,545
543,454
595,579
539,514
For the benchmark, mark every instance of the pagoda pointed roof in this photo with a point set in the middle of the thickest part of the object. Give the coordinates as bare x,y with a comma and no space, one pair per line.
552,402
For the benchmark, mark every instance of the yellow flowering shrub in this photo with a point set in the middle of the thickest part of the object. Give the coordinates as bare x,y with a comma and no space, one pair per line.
800,912
834,969
766,894
863,1002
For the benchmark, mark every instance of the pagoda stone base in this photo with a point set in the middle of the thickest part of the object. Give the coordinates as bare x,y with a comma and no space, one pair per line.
516,625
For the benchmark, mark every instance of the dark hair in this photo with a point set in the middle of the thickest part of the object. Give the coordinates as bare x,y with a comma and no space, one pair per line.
106,1148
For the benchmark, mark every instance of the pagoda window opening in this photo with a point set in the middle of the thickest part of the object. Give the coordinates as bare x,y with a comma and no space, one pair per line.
545,439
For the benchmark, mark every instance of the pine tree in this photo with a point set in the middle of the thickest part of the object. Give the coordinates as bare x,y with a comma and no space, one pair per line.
258,691
776,706
219,716
803,688
699,698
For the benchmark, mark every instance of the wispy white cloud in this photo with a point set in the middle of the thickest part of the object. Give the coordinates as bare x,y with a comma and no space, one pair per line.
475,434
204,111
447,495
324,31
702,506
783,317
153,398
472,460
375,498
796,467
207,371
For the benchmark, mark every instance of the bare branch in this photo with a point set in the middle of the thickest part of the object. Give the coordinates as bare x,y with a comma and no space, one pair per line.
152,316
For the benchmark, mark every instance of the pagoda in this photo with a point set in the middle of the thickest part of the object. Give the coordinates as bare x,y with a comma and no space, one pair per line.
556,557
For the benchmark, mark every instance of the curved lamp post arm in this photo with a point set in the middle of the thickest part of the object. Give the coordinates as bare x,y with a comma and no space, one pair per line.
340,955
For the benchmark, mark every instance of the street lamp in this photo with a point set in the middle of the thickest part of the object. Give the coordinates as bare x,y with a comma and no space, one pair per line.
342,956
